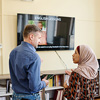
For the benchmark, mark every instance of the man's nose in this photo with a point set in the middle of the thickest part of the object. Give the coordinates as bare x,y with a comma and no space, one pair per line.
39,41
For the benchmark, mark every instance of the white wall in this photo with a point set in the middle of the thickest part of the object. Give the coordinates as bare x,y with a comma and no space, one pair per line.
87,27
0,33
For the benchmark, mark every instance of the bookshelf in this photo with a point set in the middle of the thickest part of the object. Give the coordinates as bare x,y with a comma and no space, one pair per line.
5,94
62,73
5,87
55,88
50,90
5,76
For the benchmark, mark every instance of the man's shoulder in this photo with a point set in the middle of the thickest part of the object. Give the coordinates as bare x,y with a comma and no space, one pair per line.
15,49
25,52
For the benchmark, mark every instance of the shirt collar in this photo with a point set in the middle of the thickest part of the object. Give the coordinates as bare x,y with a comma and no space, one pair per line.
29,45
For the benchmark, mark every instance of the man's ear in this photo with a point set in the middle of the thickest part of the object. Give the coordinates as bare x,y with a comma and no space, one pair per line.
31,36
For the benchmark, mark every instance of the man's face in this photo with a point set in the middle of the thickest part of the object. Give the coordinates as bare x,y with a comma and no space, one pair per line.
36,39
40,25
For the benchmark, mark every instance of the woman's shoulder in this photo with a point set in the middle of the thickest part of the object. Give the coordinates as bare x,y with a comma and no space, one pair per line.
77,75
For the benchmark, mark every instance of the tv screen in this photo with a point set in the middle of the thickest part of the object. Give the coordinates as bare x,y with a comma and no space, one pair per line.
57,31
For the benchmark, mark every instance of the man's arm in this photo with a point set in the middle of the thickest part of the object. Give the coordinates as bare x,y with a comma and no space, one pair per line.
35,83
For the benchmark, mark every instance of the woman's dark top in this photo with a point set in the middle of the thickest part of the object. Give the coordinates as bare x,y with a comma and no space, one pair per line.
80,88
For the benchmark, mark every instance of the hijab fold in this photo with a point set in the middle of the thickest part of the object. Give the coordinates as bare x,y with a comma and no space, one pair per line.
88,64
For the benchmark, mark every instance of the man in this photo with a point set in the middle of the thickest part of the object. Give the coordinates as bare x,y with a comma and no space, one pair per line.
24,64
43,35
40,25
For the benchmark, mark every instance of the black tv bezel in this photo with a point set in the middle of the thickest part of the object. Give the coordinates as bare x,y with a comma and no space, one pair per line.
48,49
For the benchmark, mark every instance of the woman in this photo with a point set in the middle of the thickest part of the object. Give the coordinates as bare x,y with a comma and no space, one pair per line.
83,79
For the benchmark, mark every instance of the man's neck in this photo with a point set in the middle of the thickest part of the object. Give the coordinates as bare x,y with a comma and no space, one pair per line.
26,40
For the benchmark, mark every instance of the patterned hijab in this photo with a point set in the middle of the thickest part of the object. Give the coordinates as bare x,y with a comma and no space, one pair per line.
88,64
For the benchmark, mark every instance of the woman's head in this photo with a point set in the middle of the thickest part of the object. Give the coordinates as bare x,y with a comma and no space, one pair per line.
86,54
87,61
76,55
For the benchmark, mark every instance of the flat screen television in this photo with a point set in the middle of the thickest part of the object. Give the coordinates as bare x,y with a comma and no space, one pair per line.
57,31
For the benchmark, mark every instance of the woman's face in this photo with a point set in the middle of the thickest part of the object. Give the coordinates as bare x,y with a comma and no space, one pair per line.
76,57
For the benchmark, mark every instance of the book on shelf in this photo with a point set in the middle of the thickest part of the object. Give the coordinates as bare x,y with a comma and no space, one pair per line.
2,98
46,96
58,95
58,80
50,76
55,81
50,83
2,90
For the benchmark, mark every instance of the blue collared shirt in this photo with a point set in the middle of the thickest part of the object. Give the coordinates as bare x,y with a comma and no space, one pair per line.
24,64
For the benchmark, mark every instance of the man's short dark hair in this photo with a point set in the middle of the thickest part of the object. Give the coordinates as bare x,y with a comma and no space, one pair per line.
40,22
30,28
